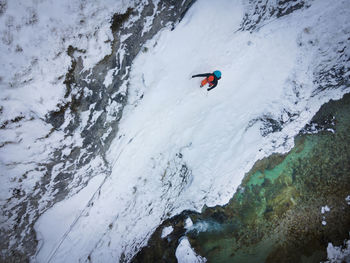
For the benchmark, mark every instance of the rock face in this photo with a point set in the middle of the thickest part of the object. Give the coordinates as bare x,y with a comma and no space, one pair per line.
93,105
260,12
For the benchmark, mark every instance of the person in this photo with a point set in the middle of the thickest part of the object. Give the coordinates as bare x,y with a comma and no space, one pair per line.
210,78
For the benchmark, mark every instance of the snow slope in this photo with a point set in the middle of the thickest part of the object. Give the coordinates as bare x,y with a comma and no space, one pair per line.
180,147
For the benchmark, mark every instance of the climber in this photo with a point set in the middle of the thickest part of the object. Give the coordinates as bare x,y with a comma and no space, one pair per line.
210,78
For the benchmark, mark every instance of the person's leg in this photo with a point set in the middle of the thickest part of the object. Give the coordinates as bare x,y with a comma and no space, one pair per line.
204,81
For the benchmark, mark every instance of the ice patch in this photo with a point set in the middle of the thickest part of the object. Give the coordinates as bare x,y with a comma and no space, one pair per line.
325,209
109,78
188,223
347,199
166,231
336,254
185,254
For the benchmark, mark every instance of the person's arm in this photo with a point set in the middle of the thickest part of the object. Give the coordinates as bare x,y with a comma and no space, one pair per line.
202,75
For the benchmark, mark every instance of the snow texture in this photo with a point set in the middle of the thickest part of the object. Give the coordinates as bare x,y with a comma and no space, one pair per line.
347,199
337,254
34,43
185,254
325,209
166,231
188,223
60,218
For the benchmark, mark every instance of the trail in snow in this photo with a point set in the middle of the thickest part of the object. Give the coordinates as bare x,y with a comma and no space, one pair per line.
186,148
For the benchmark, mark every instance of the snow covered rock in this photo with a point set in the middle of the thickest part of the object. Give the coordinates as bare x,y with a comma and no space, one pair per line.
259,13
63,80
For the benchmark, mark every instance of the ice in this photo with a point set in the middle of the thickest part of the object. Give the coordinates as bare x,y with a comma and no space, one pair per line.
325,209
61,218
338,253
185,254
166,231
347,199
188,223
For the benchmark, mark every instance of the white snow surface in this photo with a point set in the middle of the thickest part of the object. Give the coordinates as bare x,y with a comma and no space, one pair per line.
347,199
188,223
60,218
178,125
185,254
325,209
336,254
166,231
